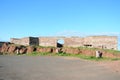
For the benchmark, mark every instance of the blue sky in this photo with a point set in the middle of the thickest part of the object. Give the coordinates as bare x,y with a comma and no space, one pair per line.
23,18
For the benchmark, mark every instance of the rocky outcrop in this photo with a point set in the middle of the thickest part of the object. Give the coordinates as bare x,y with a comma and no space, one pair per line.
22,50
8,48
12,49
44,49
0,49
88,52
30,49
4,48
72,50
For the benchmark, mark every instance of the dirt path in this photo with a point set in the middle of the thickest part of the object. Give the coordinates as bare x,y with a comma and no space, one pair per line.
111,65
54,68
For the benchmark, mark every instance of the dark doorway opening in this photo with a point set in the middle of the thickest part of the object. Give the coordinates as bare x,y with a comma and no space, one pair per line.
60,43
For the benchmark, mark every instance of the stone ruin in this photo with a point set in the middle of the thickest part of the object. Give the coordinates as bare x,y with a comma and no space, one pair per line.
71,45
103,42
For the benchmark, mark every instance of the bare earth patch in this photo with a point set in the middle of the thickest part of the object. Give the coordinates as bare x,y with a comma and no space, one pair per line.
56,68
71,58
111,65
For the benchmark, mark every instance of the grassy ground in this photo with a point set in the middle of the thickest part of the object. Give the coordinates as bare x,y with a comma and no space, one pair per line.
81,56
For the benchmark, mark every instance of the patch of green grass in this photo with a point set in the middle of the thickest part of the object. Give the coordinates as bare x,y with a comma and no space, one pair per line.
32,54
93,58
87,48
115,59
107,50
112,51
81,56
37,54
45,46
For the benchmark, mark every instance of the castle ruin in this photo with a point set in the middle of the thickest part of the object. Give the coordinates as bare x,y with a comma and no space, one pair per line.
104,42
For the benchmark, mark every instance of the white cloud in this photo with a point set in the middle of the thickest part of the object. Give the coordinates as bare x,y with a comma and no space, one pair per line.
75,33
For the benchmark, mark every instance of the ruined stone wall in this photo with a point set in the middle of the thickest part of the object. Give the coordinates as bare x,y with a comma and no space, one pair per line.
47,41
15,40
25,41
73,42
22,41
106,42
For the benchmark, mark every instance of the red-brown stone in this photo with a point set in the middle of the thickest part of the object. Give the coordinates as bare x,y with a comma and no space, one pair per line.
12,49
30,49
4,48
